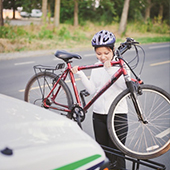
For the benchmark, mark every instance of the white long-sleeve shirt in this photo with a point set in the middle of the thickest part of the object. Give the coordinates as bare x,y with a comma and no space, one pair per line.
99,77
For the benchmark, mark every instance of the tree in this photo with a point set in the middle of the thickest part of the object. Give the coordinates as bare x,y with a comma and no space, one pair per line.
14,8
1,14
148,9
76,13
67,11
101,12
123,21
160,11
44,10
106,11
57,13
155,8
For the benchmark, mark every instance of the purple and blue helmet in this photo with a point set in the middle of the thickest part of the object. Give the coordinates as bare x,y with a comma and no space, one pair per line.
103,38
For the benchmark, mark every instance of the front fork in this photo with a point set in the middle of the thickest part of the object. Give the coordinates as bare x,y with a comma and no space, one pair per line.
135,90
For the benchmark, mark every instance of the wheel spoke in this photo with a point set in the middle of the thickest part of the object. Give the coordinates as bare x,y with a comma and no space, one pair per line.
143,141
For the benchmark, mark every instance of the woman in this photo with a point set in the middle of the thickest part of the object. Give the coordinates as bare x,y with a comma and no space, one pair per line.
103,43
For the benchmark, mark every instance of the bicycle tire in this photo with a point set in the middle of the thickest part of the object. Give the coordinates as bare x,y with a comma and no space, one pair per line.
143,141
35,93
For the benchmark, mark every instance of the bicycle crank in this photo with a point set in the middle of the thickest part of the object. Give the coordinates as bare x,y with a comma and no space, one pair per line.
78,114
47,104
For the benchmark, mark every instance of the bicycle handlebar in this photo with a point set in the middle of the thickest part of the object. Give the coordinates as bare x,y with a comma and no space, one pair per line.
125,46
121,50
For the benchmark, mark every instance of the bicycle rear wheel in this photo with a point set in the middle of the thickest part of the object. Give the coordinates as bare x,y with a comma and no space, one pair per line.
40,86
143,141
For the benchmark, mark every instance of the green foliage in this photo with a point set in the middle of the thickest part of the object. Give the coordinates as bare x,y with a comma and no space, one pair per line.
45,33
149,26
79,35
21,32
67,11
136,10
64,33
116,19
12,32
145,40
35,37
107,10
103,13
27,5
6,32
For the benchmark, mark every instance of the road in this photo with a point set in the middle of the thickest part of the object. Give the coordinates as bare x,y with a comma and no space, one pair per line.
24,21
15,73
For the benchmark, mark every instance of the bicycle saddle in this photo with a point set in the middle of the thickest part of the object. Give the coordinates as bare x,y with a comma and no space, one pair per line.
64,55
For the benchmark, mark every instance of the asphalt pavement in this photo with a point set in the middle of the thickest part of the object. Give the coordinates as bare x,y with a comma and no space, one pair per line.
16,73
22,54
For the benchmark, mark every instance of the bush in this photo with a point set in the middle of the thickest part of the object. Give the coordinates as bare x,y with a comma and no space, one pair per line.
144,40
17,38
45,33
64,33
78,35
7,32
149,26
12,32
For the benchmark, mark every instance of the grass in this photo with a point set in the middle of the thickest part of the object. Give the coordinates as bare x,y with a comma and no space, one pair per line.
40,37
146,40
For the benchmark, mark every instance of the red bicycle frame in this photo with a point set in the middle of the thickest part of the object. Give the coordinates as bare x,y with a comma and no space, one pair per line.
67,71
113,79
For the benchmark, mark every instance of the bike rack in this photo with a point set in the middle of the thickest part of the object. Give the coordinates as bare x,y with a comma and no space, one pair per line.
135,162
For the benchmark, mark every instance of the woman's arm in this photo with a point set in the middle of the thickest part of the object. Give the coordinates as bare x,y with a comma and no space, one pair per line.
89,85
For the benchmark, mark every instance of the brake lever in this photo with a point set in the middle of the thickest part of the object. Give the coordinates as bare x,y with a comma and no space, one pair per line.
131,41
126,46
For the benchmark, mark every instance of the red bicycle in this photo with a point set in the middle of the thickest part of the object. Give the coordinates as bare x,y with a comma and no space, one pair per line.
148,117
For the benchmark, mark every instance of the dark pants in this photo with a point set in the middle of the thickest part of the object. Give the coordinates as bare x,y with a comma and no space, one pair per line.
103,138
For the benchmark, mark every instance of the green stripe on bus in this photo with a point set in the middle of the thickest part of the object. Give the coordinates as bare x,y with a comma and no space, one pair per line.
79,163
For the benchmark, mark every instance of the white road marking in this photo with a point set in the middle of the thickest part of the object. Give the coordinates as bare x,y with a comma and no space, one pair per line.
164,133
24,63
57,59
156,64
89,55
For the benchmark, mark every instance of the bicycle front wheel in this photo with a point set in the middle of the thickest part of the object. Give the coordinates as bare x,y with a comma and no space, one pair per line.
141,140
40,86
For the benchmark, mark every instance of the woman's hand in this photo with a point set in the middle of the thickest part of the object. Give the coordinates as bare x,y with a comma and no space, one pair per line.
74,69
107,64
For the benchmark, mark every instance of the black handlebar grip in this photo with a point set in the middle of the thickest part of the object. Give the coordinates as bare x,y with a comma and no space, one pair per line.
126,46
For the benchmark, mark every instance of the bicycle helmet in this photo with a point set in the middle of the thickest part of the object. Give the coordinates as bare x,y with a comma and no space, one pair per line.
103,38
